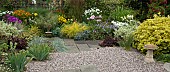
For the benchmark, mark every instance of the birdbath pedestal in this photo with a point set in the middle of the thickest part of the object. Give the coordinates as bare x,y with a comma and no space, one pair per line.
149,54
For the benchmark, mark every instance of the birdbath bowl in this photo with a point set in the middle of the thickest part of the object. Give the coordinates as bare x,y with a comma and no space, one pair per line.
149,54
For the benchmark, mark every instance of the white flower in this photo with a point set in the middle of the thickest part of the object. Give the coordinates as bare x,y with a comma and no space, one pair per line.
97,10
33,1
129,16
3,12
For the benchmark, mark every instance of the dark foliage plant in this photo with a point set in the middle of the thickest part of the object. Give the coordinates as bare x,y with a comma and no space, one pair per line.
109,42
21,42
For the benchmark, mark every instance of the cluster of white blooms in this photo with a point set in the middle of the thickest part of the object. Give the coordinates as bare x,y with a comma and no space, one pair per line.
119,24
5,12
128,17
92,11
33,1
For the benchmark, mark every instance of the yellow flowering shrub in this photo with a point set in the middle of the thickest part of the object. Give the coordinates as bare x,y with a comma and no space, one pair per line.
153,31
73,29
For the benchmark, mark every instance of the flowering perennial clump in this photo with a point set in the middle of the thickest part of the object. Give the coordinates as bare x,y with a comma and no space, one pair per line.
22,14
92,13
13,19
61,19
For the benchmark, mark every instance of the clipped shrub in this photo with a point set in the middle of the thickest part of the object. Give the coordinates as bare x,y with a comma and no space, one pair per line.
73,29
39,52
153,31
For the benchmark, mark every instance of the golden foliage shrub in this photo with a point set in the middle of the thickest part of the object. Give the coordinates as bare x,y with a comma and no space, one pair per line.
153,31
72,30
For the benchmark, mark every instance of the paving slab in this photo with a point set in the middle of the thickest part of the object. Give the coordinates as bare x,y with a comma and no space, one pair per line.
92,42
88,68
80,42
93,46
167,66
69,42
83,47
72,70
72,49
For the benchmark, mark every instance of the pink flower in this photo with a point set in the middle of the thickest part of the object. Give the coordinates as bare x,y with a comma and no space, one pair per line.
92,17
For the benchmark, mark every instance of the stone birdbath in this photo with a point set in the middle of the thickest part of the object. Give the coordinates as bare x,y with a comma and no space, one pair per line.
149,54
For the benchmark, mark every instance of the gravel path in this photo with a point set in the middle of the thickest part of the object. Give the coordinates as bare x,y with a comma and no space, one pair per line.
105,59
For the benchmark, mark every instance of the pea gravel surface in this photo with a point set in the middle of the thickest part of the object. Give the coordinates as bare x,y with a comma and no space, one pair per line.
111,59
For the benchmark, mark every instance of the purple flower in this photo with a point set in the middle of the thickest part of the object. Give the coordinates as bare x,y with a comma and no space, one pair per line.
14,19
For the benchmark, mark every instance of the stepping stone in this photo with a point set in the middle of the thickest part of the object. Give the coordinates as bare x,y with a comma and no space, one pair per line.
83,47
167,66
72,70
92,42
80,42
72,49
69,42
88,68
93,46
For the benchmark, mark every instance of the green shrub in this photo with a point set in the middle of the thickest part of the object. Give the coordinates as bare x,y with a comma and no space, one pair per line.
39,52
17,61
48,22
163,57
153,31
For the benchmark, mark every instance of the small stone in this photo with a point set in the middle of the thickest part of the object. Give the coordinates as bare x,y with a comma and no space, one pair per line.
167,66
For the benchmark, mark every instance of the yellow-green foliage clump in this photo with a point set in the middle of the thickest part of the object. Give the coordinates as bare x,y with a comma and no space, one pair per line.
153,31
72,30
30,33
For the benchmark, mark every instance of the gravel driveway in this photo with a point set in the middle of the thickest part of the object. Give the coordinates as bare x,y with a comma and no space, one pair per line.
105,59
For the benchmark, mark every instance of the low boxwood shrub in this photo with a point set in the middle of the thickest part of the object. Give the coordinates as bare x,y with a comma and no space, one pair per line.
153,31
